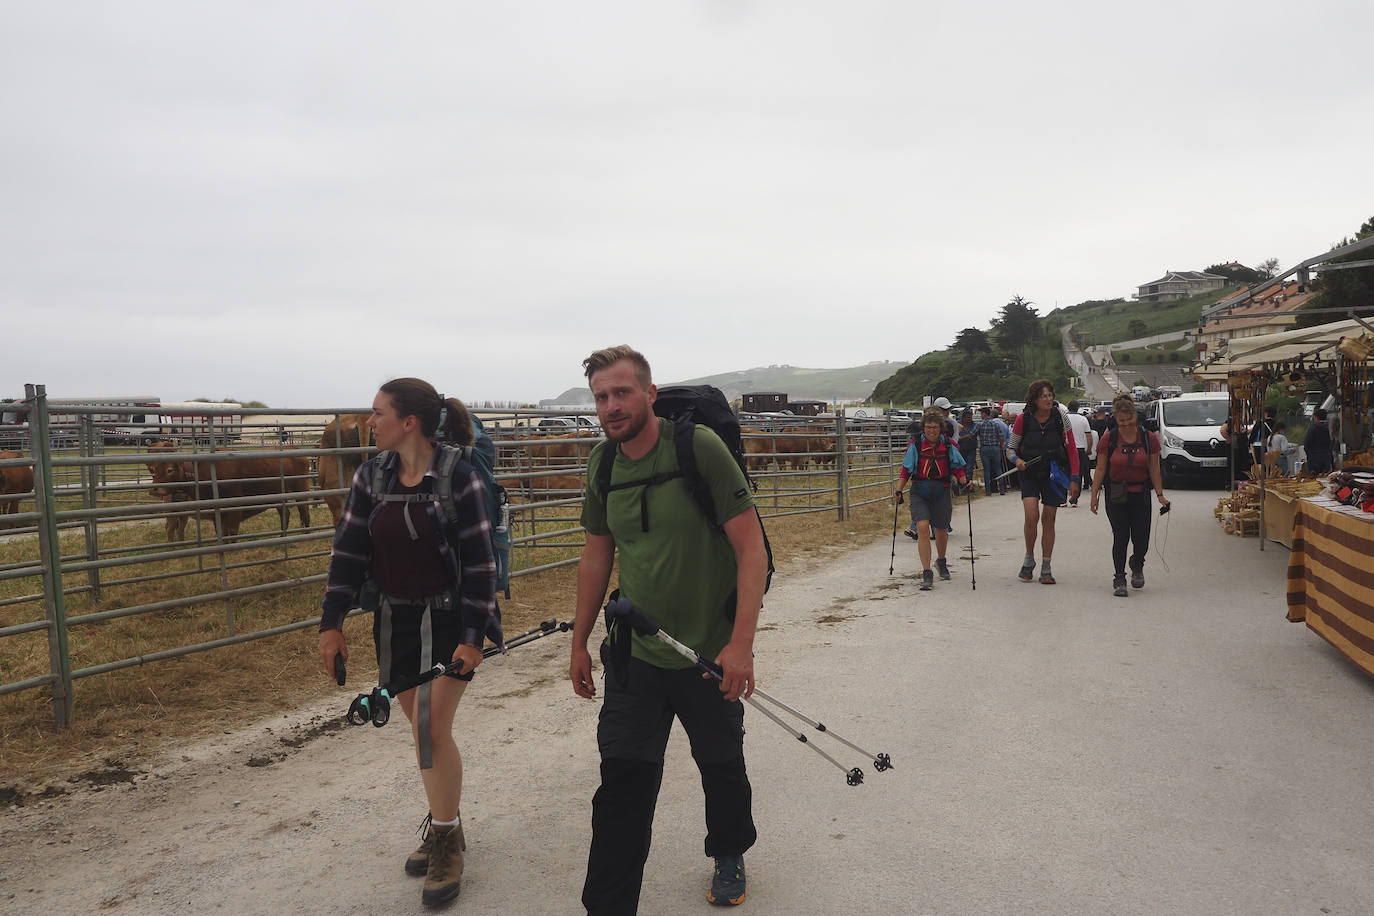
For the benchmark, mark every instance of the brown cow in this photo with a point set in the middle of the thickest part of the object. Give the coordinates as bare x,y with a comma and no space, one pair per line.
758,451
174,522
13,481
349,430
233,478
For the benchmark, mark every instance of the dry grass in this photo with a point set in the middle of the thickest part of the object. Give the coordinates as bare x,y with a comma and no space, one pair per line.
123,718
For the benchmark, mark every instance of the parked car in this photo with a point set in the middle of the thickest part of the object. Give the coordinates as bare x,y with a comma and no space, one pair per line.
1190,443
557,424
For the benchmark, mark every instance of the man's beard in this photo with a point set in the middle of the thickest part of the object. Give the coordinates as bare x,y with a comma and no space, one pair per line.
634,426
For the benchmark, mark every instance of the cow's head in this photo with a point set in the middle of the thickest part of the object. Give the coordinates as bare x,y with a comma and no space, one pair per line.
165,474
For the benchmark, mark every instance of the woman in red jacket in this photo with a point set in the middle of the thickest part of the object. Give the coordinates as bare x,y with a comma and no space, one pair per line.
1040,437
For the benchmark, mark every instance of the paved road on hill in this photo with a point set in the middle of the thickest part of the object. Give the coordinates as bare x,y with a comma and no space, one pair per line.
1057,751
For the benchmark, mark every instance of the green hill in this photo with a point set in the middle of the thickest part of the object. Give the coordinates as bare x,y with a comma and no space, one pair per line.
1022,346
851,384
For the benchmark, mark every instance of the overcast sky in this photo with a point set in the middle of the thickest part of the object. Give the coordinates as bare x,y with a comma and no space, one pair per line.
292,202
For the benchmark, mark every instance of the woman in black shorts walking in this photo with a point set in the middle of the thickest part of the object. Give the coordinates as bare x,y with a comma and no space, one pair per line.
433,592
1040,436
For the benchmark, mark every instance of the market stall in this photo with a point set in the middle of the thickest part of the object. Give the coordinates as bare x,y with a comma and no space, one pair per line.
1330,578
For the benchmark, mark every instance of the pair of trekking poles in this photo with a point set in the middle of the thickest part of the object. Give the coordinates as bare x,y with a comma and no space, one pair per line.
972,557
620,609
375,707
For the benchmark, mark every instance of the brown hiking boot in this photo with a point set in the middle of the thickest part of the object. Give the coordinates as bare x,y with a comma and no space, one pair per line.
417,863
444,877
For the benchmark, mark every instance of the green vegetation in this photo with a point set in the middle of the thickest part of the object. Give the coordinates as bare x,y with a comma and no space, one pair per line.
1020,347
850,383
1349,288
1171,351
1097,323
230,401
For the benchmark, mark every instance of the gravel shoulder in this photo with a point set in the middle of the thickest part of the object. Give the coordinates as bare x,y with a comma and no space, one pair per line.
1056,751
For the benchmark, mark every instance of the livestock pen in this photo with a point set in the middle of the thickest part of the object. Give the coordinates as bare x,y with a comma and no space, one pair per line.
96,574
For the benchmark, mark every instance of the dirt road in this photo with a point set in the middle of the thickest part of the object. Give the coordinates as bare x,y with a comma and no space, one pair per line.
1185,750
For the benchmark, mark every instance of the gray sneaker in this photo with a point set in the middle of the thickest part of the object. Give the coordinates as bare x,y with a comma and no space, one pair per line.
1138,578
1119,586
943,568
927,580
727,885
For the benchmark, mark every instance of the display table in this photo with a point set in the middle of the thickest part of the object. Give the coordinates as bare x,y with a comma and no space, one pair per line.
1331,578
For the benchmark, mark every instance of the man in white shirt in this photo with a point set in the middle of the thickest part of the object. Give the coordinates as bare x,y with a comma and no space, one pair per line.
1082,435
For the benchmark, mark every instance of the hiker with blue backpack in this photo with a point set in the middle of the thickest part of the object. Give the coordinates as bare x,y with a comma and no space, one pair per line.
673,500
1043,449
417,546
930,463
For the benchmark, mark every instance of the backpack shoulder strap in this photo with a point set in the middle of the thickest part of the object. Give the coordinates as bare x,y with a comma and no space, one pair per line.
684,433
443,488
379,484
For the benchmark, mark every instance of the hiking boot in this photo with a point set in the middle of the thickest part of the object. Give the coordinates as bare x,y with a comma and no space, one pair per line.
943,567
444,876
927,580
1027,572
727,885
1119,585
417,863
1046,578
1138,577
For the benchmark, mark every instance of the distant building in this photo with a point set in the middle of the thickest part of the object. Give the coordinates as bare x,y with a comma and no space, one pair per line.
764,402
1254,315
807,407
1178,284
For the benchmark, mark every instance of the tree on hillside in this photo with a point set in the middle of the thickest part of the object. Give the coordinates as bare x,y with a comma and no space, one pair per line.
1237,273
1351,288
972,341
1268,268
1014,327
1137,327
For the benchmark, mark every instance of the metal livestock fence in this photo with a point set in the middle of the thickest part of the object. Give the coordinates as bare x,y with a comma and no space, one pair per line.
112,568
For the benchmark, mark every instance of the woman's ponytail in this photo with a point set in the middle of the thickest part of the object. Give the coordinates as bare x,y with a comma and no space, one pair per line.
455,423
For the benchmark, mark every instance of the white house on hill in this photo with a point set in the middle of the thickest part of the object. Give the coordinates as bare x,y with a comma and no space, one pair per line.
1178,284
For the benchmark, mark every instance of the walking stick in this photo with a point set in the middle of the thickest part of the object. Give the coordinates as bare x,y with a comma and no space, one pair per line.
972,556
622,608
375,707
893,564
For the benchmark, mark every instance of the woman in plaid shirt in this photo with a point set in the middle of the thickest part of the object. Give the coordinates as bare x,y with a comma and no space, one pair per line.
436,594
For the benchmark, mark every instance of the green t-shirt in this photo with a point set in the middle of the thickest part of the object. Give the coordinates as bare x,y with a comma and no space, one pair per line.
682,570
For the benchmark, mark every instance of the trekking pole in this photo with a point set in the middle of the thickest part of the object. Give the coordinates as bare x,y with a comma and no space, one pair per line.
622,608
375,707
1013,467
893,563
972,556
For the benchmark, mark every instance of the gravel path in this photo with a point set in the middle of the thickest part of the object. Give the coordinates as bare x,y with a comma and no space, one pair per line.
1056,751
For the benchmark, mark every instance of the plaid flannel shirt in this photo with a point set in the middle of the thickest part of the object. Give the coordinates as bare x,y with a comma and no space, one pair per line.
474,569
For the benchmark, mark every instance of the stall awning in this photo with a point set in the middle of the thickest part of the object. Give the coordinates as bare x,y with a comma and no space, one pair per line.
1315,344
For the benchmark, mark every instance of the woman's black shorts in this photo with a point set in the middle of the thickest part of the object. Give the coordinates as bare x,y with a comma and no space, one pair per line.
407,642
1040,488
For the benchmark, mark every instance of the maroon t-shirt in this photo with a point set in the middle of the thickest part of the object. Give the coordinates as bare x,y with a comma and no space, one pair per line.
406,568
1129,464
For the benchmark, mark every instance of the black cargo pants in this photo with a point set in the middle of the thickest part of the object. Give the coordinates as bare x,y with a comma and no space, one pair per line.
632,733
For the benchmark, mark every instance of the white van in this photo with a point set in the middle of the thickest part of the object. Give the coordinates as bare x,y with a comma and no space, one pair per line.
1190,443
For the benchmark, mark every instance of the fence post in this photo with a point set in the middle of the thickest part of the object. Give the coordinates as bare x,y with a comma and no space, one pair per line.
841,468
50,555
87,427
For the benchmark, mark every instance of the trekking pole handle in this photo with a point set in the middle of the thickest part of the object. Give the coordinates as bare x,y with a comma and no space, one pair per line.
621,607
340,672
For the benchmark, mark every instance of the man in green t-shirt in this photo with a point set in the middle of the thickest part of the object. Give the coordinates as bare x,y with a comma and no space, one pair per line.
704,586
